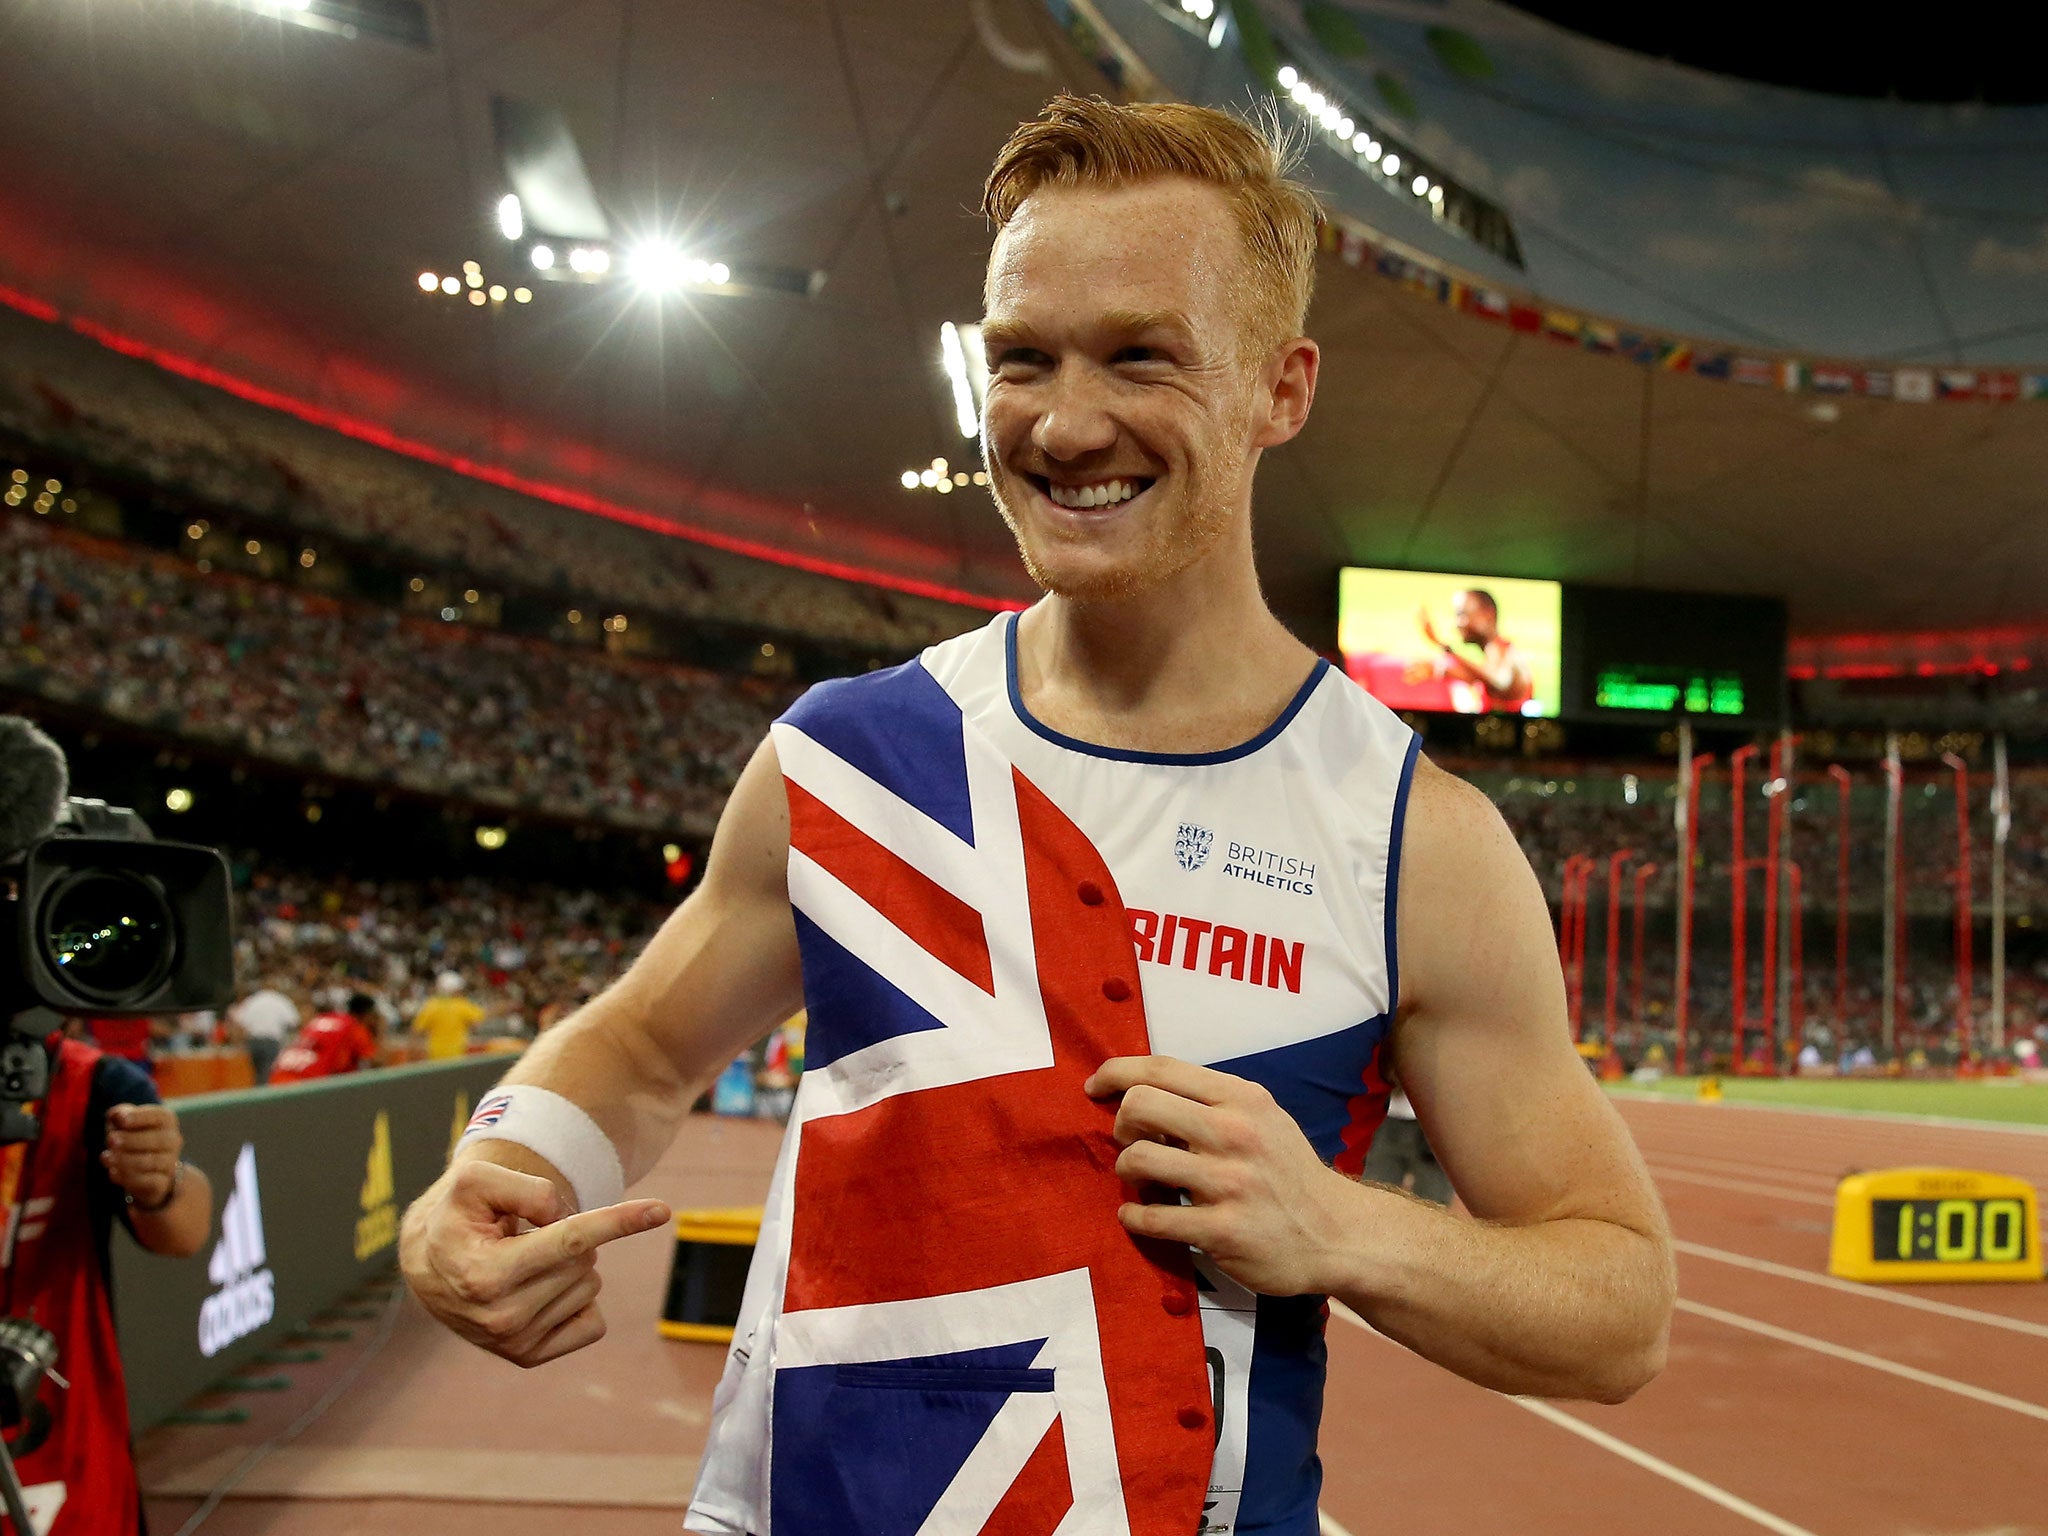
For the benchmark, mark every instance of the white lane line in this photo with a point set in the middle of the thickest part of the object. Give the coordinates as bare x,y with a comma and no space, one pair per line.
1744,1186
1734,1503
1869,1292
1858,1357
1748,1165
1329,1527
1711,1492
1945,1122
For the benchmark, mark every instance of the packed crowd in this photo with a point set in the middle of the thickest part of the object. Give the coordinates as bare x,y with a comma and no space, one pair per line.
94,407
364,693
1608,809
524,954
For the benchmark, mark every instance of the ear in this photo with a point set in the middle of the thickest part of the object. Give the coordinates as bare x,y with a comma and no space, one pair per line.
1288,390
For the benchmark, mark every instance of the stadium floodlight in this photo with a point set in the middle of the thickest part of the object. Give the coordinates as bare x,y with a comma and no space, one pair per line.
1391,165
511,216
451,285
1220,30
910,479
1287,77
656,266
543,257
719,273
429,281
1419,186
955,356
590,260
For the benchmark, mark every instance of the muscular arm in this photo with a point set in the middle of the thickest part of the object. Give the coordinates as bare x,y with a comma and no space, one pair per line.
1563,1285
720,973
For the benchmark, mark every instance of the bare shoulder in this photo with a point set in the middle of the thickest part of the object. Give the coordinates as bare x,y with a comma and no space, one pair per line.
1468,902
1451,831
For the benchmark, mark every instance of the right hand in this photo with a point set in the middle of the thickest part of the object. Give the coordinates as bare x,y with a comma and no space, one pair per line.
530,1296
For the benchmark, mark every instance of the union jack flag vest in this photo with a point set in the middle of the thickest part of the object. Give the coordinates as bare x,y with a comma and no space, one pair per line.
946,1332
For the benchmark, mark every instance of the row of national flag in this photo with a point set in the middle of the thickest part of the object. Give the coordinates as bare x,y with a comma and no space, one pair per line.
1913,384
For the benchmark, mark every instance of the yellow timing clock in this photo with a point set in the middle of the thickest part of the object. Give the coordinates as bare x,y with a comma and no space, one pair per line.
1921,1224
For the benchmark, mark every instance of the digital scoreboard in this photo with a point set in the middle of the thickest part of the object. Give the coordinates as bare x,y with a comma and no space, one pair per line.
1634,654
1922,1224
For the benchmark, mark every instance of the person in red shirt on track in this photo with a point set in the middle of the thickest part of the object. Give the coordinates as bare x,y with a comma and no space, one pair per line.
332,1043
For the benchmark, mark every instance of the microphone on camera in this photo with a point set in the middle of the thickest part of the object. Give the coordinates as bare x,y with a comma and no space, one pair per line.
33,784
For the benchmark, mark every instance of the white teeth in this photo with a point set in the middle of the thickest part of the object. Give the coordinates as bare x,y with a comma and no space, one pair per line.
1086,497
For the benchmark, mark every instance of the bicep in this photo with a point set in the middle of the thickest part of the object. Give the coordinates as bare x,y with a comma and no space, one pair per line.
1481,1039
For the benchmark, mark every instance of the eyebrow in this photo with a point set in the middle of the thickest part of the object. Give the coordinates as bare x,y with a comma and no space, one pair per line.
996,334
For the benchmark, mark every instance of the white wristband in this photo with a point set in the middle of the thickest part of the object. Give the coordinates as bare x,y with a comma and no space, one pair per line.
542,1121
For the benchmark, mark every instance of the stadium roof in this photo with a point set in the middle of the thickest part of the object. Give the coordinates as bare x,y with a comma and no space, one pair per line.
261,199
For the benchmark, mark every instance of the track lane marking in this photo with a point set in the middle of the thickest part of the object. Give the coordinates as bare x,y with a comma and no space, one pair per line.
1859,1357
1743,1186
1728,1165
1868,1292
1713,1493
1943,1122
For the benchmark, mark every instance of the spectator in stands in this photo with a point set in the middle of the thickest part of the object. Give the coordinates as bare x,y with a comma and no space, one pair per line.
129,1039
265,1019
332,1044
445,1019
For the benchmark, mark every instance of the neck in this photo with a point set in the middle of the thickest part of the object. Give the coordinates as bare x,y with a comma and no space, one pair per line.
1196,663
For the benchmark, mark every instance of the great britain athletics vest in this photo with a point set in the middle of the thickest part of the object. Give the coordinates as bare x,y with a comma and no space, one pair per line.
945,1330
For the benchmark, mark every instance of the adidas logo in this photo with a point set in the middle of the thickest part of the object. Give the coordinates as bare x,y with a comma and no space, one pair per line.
377,1228
247,1298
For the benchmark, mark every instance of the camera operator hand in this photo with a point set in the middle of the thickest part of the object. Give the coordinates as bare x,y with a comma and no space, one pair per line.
171,1202
530,1296
143,1146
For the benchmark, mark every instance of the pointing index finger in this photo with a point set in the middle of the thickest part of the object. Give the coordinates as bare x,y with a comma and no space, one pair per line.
574,1237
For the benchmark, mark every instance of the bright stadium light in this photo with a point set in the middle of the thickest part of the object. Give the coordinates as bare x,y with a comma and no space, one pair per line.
1419,186
955,356
1391,165
719,273
451,285
179,800
656,266
543,256
429,281
511,217
910,479
1287,77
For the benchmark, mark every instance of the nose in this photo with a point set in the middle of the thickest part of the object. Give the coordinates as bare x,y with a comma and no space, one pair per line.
1074,420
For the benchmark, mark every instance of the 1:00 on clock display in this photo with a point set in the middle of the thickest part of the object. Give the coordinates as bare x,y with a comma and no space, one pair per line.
1953,1231
1920,1225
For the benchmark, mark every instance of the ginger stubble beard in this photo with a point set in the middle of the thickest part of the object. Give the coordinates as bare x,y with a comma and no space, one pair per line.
1174,539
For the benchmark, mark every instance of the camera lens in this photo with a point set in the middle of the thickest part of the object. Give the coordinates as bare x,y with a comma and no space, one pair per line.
108,935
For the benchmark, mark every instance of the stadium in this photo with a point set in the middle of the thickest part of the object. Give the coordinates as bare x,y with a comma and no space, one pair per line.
441,443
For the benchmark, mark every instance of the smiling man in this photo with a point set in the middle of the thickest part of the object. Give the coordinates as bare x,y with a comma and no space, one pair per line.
1110,918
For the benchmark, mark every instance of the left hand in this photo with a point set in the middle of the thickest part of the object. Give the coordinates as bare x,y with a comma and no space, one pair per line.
1265,1208
143,1147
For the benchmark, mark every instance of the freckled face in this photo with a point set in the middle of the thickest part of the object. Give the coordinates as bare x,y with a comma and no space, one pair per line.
1119,422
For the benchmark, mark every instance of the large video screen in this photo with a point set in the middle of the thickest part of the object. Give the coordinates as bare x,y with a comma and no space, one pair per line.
1469,645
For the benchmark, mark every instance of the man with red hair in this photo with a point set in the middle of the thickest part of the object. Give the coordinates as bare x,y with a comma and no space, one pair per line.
1095,914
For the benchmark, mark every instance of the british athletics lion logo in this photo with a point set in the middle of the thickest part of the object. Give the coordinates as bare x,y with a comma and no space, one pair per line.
1191,845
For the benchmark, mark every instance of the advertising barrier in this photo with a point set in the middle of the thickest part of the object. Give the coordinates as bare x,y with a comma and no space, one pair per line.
309,1181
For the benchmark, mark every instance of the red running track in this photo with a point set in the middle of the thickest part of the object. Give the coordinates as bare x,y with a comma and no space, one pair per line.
1791,1404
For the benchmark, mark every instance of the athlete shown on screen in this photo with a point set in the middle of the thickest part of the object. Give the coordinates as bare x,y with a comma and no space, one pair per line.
1109,917
1501,678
